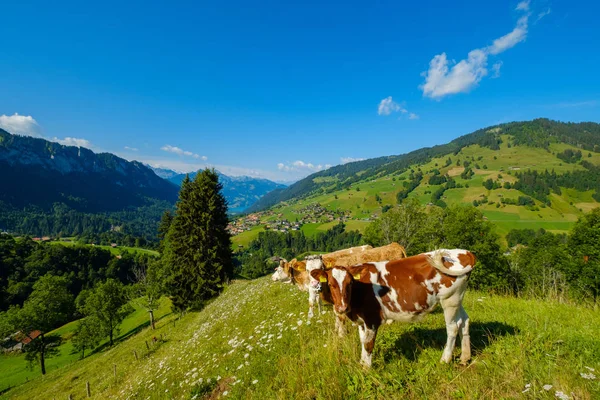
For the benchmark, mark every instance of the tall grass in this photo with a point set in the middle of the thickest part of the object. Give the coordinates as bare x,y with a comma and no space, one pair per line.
254,342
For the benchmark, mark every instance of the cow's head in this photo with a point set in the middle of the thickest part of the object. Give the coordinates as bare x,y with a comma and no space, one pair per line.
281,272
339,281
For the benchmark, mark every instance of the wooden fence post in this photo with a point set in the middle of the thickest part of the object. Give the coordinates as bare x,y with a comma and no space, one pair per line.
147,346
87,389
115,370
135,354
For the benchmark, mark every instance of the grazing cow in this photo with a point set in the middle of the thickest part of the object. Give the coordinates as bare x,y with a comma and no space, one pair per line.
346,252
402,290
283,274
298,273
392,251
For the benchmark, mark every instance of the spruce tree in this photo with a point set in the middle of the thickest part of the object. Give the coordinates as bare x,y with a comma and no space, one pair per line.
197,252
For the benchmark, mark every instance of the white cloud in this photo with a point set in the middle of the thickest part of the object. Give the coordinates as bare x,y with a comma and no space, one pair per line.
543,14
131,148
299,165
496,69
442,78
441,81
181,152
181,165
509,40
346,160
24,125
71,141
523,6
27,126
388,106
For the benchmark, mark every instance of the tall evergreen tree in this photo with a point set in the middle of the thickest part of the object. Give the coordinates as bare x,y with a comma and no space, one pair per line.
197,249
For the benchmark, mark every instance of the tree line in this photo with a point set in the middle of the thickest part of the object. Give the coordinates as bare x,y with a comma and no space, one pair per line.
546,265
254,261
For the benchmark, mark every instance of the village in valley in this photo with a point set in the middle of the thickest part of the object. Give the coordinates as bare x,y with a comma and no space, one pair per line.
277,221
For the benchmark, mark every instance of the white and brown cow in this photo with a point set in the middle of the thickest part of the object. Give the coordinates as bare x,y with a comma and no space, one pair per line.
298,273
402,290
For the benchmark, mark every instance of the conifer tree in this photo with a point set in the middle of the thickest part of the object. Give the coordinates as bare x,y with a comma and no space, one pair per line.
197,249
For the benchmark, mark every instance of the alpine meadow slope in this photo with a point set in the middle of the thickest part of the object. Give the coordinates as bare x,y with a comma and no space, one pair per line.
255,342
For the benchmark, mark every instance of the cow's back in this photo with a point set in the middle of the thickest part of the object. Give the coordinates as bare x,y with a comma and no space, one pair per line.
389,252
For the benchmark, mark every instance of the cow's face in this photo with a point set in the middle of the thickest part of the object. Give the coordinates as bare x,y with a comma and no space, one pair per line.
281,273
339,282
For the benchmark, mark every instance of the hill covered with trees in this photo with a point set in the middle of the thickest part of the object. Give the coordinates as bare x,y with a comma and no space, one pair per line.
52,189
539,133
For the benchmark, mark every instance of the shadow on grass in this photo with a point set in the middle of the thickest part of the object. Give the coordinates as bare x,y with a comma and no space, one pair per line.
411,344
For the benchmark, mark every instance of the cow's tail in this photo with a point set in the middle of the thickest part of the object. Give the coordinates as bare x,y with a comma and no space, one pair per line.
437,261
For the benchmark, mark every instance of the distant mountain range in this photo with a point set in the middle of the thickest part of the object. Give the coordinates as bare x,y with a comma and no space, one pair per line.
48,188
240,191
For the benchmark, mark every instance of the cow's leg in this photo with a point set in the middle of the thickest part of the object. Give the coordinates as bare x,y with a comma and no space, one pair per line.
465,345
367,341
319,303
453,319
339,325
312,295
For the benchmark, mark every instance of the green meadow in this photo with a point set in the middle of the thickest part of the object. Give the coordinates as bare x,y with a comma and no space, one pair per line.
255,342
14,370
498,165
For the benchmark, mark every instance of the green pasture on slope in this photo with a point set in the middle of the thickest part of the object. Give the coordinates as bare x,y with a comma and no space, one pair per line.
255,342
14,369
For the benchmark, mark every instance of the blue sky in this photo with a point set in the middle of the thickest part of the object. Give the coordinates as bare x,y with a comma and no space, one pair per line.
280,89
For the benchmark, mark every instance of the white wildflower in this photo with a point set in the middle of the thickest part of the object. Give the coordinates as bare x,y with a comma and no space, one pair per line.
561,395
587,376
246,355
225,393
299,322
547,387
591,369
254,382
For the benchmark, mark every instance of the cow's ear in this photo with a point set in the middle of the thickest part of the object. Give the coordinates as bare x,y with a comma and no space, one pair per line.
319,275
359,272
298,265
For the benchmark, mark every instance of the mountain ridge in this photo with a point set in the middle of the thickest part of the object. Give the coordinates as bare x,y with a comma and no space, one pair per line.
240,191
535,133
46,183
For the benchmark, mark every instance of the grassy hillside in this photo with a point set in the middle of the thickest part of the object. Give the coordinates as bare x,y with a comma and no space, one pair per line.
361,199
539,133
14,370
254,342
